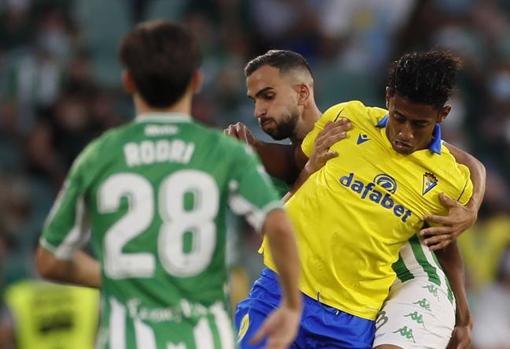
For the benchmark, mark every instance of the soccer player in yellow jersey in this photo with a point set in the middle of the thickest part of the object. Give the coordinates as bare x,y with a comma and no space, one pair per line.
355,213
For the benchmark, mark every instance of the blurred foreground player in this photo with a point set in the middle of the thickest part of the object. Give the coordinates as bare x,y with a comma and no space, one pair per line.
153,195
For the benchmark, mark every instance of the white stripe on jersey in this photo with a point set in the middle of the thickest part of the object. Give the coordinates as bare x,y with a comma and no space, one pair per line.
117,325
414,266
144,336
439,268
203,335
255,216
222,321
77,236
57,203
406,252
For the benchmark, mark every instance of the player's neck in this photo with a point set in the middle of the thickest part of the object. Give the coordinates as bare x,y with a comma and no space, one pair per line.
310,115
182,106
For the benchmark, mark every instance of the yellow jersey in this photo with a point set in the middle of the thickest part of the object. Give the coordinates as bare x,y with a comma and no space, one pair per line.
353,215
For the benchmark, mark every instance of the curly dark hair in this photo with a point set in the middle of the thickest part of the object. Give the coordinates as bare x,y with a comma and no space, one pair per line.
284,60
427,77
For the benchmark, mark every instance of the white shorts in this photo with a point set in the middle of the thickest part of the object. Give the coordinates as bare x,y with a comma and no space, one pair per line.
417,314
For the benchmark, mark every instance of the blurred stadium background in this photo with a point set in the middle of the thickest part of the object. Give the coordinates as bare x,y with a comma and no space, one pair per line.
60,88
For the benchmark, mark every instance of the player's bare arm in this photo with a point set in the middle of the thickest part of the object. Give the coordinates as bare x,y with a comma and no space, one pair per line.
283,161
280,327
81,269
459,217
451,261
277,158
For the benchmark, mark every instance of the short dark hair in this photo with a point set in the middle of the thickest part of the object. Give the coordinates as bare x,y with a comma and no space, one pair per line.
161,58
427,77
283,60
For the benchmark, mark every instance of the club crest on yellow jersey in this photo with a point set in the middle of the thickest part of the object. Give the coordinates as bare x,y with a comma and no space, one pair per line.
429,181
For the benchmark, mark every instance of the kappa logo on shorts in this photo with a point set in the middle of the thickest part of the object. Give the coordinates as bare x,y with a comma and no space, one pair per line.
243,327
432,289
382,319
424,303
406,332
416,317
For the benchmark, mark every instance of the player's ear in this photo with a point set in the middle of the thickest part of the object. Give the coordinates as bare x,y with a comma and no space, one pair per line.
303,94
443,113
128,82
196,81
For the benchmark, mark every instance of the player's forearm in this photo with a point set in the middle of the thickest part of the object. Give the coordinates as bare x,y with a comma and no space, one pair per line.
278,159
7,339
81,269
451,261
477,174
282,244
87,269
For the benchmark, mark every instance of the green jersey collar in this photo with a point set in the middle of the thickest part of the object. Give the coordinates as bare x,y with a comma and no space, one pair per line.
163,117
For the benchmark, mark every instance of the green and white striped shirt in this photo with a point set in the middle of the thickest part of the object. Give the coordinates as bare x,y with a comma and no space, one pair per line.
416,261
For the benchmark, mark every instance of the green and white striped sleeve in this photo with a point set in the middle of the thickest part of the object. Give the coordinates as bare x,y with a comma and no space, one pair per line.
252,194
66,228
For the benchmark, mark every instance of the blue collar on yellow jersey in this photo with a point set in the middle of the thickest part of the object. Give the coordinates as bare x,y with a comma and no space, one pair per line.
434,146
